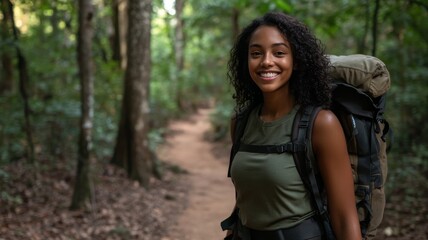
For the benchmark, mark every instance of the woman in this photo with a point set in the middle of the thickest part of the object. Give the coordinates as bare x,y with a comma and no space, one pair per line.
276,67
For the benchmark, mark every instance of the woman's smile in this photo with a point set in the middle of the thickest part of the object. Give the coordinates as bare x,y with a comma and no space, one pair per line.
268,76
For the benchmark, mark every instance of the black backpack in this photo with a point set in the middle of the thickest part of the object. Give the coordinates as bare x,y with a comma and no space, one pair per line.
360,111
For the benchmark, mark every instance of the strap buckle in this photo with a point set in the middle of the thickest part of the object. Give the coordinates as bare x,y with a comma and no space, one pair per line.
290,147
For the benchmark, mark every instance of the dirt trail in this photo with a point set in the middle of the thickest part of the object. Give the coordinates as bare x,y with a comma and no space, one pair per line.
211,196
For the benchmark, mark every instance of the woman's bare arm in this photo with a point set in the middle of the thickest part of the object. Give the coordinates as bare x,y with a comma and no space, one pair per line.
329,146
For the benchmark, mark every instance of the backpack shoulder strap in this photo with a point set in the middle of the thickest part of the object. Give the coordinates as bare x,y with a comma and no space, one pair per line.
240,122
306,165
301,134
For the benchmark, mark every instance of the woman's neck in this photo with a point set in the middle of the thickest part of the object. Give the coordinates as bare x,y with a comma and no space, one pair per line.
276,106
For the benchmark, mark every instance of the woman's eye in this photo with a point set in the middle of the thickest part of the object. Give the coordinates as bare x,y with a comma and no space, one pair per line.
255,54
280,53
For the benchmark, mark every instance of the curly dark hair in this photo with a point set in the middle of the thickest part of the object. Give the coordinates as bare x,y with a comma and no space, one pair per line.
309,82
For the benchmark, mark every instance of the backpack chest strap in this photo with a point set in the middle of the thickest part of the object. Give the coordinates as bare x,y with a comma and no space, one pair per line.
290,147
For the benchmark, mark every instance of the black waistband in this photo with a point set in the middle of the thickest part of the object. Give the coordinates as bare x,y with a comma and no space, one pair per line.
308,229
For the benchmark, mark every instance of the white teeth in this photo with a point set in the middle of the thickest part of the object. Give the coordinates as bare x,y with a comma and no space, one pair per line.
268,74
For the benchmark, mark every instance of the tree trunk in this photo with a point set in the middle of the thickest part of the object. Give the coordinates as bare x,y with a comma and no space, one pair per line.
132,147
82,188
362,43
115,37
235,24
374,28
123,31
23,81
6,77
54,18
179,45
6,68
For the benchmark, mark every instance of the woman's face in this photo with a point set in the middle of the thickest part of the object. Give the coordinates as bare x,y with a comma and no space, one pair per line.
270,60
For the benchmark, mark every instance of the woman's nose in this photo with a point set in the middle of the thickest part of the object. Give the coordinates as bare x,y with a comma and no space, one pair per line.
267,60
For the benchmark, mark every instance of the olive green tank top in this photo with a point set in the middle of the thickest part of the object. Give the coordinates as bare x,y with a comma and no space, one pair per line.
270,192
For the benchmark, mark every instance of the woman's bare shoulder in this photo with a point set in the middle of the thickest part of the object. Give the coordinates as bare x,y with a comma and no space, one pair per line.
326,119
327,132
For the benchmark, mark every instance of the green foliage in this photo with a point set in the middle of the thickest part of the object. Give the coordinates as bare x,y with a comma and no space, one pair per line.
220,118
6,197
405,171
12,136
107,99
9,199
163,86
122,232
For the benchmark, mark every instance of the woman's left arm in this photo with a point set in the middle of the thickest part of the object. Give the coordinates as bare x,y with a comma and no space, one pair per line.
328,142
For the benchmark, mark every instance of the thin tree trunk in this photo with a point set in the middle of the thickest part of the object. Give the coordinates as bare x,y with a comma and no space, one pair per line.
123,31
82,189
179,45
362,45
132,147
6,68
235,24
23,80
54,18
115,38
6,77
404,115
375,26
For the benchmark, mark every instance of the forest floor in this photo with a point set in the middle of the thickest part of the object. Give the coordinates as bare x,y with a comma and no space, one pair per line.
189,202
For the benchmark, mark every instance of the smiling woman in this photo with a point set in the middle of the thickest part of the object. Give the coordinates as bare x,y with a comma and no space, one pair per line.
278,68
